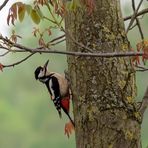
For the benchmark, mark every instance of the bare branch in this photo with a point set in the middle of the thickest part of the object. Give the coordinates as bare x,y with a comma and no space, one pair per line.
4,53
49,20
141,69
137,21
19,62
134,16
55,39
9,45
142,12
86,54
53,44
4,4
144,103
133,26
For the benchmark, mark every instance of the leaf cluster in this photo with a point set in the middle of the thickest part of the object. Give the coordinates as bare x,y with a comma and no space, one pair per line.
18,10
141,46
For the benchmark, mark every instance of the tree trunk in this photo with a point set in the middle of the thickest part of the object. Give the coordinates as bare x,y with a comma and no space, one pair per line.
103,89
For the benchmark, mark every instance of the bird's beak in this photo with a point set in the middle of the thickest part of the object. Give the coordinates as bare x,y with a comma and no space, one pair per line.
46,64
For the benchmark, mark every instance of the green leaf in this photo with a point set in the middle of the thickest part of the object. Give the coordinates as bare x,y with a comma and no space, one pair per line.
28,9
40,13
21,12
35,17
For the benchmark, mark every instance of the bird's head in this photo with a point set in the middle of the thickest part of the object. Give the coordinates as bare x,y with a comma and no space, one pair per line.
41,71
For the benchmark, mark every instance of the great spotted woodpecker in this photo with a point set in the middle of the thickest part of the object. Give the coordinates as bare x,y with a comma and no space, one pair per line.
58,88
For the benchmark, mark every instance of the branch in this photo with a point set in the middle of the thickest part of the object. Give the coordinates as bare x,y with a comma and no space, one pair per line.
53,44
10,43
19,62
49,20
142,12
133,26
137,21
144,103
20,48
141,69
4,53
134,16
55,39
4,4
85,54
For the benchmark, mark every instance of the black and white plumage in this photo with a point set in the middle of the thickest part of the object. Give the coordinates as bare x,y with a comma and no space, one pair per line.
57,86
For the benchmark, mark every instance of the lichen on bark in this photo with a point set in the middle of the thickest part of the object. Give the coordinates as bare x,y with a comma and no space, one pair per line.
103,89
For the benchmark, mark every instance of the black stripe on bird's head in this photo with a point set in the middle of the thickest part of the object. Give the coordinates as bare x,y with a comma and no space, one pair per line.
37,72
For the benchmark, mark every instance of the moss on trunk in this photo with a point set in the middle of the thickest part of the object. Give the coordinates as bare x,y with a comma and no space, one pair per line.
103,88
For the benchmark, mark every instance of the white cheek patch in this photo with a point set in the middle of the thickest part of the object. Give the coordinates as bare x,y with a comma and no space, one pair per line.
41,74
52,92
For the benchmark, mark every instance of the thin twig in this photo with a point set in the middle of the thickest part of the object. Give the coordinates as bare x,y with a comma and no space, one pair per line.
144,103
133,26
4,53
141,69
19,62
53,16
134,16
4,4
137,21
142,12
10,43
53,44
49,20
55,39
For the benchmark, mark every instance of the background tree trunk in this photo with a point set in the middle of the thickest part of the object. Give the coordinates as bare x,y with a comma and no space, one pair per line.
103,88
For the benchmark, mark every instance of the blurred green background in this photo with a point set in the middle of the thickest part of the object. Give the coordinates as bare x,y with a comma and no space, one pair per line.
28,118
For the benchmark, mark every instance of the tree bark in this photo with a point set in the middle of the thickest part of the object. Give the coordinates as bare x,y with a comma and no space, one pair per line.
103,89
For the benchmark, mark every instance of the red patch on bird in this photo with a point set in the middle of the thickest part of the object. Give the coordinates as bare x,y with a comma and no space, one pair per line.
65,102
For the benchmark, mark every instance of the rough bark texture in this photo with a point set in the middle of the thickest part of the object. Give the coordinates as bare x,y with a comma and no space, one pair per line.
103,88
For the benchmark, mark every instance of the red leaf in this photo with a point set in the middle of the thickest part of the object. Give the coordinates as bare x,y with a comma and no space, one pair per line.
145,55
8,18
12,15
136,60
42,42
35,31
14,10
69,128
1,67
48,31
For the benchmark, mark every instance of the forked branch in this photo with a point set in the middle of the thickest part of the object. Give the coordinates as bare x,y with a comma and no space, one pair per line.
134,16
137,21
142,12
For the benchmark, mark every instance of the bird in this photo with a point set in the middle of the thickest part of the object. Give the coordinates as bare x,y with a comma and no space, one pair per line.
58,88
